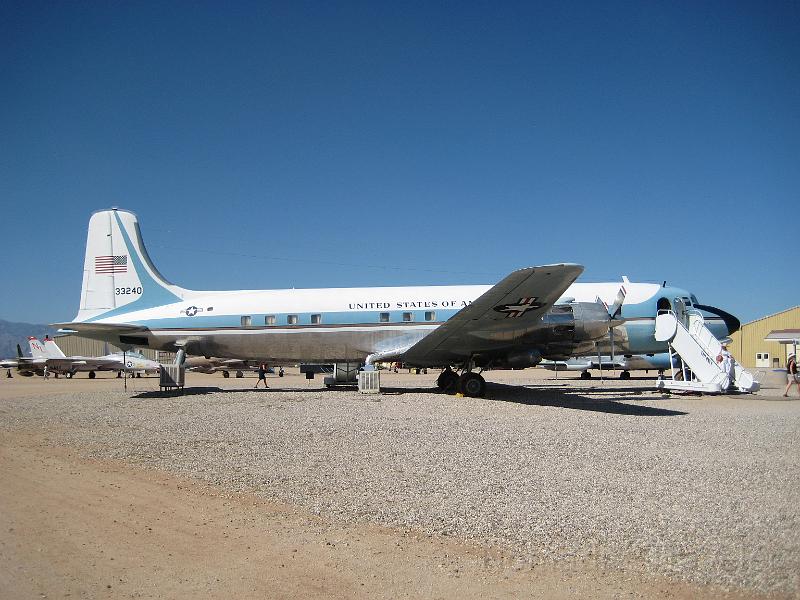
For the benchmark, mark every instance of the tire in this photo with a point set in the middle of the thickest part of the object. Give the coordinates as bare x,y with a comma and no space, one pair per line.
92,374
472,385
447,381
225,374
586,375
239,374
625,375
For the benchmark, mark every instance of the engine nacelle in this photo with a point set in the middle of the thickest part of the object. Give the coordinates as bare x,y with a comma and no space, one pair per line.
524,359
565,327
591,321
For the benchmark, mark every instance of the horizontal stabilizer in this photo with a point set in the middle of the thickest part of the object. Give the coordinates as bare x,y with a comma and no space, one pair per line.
97,328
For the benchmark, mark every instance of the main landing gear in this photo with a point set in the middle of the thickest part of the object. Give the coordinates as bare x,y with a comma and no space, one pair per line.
469,383
448,380
472,384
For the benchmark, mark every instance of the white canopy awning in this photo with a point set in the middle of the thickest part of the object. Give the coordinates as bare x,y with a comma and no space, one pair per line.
784,336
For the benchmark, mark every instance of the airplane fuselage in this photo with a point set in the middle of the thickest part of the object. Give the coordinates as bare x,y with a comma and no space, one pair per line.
345,324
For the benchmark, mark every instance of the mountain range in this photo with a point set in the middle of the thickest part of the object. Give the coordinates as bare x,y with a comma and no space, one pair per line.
12,334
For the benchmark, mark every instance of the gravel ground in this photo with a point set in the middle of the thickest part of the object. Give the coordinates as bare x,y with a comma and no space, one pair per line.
703,489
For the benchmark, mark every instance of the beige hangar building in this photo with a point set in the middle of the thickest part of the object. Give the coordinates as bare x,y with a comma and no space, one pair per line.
750,347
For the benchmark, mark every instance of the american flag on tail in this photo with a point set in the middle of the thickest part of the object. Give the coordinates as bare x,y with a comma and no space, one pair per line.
110,264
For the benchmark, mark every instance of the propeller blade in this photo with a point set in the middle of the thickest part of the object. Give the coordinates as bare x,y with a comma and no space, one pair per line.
616,308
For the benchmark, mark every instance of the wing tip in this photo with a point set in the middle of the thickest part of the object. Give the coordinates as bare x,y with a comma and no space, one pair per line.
572,267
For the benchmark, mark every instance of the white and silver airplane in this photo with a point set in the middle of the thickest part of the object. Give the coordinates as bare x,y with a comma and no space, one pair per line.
625,364
533,313
48,354
215,364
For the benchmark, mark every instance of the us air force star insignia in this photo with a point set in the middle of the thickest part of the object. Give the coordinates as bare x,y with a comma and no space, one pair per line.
191,311
522,306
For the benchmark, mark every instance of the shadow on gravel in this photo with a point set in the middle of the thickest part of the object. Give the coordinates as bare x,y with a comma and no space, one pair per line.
189,391
558,396
570,398
565,397
200,391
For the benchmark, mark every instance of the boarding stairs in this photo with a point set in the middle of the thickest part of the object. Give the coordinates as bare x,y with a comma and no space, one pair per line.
693,351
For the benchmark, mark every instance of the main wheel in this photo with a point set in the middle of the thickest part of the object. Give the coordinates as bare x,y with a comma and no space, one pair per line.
92,375
447,380
586,375
239,374
472,385
625,375
225,374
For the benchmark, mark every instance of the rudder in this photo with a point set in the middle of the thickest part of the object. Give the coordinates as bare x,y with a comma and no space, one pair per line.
118,275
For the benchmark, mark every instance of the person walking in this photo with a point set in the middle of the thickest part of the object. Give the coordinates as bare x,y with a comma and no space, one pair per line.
791,375
262,375
726,364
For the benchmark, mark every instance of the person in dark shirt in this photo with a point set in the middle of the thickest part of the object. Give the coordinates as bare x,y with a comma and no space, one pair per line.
262,375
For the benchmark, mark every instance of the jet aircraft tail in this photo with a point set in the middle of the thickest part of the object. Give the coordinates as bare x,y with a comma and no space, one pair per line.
37,348
118,275
52,349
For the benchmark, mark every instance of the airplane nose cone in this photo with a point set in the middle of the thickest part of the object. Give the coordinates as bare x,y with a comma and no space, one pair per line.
732,323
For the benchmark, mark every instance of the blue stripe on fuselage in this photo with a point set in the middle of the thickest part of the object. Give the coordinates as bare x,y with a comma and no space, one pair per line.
201,321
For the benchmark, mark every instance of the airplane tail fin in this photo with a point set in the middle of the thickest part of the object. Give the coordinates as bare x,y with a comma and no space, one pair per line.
118,275
52,349
37,348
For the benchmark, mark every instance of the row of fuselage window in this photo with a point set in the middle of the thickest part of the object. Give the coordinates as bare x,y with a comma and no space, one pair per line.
316,319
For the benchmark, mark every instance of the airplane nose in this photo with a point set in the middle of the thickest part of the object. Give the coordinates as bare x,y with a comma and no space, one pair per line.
732,323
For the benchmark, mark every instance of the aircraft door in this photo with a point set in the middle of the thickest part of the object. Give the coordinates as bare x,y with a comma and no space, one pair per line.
679,306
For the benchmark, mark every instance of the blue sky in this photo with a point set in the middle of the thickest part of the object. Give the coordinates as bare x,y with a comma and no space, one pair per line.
358,144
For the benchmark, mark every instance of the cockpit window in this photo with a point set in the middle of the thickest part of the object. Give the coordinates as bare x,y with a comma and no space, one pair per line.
687,301
694,299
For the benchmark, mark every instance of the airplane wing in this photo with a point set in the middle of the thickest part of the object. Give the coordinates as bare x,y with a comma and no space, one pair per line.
84,363
496,320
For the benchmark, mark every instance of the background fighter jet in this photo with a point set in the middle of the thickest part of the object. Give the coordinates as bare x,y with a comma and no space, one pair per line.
48,354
